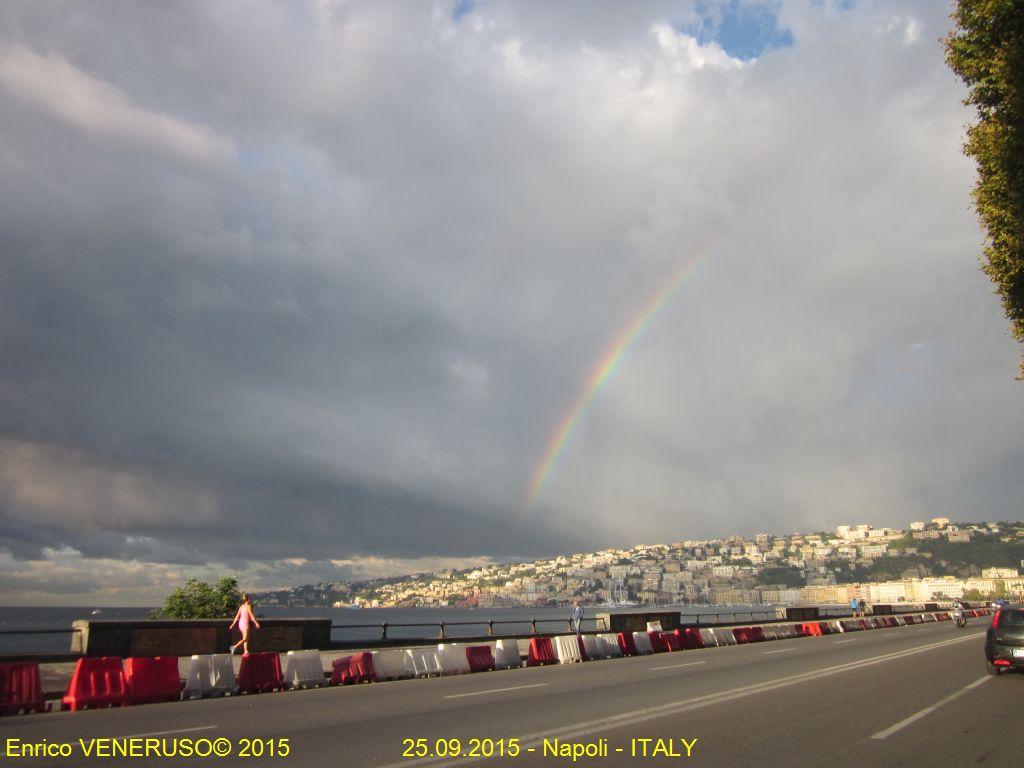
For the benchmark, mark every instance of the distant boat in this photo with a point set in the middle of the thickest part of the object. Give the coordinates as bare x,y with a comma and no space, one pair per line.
96,612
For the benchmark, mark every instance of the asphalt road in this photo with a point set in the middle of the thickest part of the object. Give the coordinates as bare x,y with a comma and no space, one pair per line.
906,696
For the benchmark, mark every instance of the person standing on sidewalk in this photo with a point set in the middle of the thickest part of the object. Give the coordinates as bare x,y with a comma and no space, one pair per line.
577,617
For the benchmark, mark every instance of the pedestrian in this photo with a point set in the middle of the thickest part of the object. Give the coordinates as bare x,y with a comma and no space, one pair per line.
853,606
863,607
577,616
243,618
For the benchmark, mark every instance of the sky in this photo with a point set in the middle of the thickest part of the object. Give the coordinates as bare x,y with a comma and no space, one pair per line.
332,290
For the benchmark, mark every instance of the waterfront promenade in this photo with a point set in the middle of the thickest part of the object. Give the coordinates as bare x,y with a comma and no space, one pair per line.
860,699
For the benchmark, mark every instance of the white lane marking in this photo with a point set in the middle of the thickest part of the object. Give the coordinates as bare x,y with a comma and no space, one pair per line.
494,690
781,650
164,733
837,642
928,710
577,730
677,666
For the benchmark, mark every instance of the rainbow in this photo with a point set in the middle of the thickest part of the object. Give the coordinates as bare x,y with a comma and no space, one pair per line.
603,371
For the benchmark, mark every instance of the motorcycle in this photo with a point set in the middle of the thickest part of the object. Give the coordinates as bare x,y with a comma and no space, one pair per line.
960,617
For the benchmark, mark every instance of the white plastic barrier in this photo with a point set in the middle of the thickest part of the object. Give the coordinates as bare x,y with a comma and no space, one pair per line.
610,644
654,626
592,645
725,636
837,626
423,662
210,675
708,636
453,658
900,621
303,669
928,616
642,642
506,655
567,648
390,665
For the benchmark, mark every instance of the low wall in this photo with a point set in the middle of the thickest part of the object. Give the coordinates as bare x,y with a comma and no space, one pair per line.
637,622
187,637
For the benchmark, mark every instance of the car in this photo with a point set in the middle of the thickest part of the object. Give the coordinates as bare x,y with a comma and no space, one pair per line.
1004,640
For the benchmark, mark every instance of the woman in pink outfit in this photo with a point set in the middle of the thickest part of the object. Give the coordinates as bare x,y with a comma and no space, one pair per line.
243,617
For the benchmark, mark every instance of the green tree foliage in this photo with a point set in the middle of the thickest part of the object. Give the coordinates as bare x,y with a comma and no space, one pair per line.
789,578
199,600
986,49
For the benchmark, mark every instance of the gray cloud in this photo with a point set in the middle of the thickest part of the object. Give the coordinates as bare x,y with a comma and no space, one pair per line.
315,284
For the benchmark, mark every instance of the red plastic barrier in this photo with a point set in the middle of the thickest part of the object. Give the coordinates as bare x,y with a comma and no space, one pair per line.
480,658
748,635
357,668
690,638
152,679
260,672
96,682
864,624
541,652
910,619
583,649
672,641
20,689
658,644
826,628
626,644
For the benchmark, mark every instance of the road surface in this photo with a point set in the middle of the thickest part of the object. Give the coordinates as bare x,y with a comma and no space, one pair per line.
904,696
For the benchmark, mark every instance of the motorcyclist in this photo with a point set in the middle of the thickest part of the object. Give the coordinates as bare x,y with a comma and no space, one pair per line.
958,612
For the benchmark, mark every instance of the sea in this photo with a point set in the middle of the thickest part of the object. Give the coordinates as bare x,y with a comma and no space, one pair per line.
350,624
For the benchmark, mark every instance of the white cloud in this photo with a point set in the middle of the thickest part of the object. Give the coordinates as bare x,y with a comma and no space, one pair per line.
53,84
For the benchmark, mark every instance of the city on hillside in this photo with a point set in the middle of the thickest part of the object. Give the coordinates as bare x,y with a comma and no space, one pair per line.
934,560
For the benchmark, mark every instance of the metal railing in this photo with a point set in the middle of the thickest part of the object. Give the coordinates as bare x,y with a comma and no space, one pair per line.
441,626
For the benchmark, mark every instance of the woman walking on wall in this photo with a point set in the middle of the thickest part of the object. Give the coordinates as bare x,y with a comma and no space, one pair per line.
243,618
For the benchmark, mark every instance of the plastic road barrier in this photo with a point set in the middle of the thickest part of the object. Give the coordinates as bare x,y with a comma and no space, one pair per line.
626,644
593,648
742,635
210,675
304,669
506,655
152,679
709,638
96,682
642,642
423,662
690,638
609,644
541,652
453,658
357,668
658,644
390,665
480,658
260,673
724,636
672,641
654,626
20,688
567,648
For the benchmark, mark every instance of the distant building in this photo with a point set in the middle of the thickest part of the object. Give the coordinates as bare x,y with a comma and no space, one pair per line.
917,526
999,573
941,522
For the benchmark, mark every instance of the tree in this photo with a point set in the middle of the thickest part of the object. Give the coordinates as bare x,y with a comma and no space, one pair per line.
986,49
199,600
